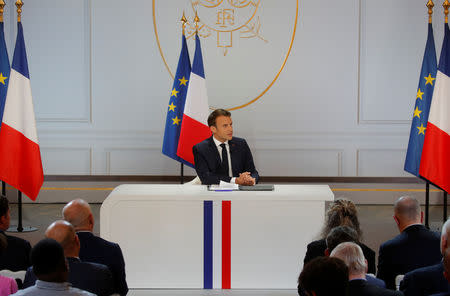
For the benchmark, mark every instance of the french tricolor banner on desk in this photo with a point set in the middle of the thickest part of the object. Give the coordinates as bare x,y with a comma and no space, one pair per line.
217,256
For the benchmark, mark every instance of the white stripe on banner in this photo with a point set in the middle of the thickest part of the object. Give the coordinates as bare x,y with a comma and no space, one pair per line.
440,103
197,100
19,110
217,245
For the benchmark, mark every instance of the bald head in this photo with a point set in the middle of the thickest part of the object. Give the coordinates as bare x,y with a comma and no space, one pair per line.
407,211
445,235
78,213
64,233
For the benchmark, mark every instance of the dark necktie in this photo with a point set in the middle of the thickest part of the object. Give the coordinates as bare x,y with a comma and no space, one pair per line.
225,168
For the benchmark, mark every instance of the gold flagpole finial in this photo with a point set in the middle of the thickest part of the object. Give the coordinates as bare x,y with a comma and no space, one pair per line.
446,5
196,20
183,22
19,5
430,6
2,5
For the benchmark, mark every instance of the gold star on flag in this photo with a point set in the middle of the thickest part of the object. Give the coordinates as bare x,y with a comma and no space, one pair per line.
429,79
183,81
417,112
419,94
174,93
176,120
172,107
421,129
2,78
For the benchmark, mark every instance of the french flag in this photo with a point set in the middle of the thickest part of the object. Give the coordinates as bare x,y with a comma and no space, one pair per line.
194,126
20,156
435,162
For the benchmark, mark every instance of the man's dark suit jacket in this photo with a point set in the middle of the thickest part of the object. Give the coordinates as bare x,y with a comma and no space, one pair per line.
17,255
88,276
362,288
208,162
95,249
415,247
425,281
317,248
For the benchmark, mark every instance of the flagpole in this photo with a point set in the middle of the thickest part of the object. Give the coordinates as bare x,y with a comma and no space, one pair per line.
2,5
183,28
20,227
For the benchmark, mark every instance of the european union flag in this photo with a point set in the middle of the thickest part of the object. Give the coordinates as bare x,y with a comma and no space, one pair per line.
176,105
422,106
4,70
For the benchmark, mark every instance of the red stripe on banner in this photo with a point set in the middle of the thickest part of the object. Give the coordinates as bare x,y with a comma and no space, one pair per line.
435,161
20,162
192,132
226,244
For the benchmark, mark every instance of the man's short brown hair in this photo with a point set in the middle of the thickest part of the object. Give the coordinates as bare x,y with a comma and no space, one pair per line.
216,113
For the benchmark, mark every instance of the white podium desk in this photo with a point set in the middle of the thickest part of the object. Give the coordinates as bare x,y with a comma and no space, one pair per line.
184,236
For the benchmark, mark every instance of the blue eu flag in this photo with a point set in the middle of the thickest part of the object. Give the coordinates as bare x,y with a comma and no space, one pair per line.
422,106
4,70
176,105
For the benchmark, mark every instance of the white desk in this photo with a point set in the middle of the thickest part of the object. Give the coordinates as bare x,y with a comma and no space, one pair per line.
160,229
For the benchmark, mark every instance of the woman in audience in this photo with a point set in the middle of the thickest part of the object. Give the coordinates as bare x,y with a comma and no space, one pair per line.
342,212
8,285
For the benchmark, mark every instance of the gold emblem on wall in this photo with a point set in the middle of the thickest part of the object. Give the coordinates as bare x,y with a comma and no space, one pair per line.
224,19
228,24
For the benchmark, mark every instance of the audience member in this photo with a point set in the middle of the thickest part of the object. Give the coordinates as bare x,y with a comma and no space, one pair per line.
430,279
51,269
342,234
446,271
92,277
414,247
8,285
94,248
17,254
353,257
342,212
324,276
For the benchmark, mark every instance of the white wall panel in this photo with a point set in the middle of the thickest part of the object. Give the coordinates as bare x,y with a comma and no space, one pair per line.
66,160
381,163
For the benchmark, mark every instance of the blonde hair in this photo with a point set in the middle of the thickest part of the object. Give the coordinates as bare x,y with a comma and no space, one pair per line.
341,212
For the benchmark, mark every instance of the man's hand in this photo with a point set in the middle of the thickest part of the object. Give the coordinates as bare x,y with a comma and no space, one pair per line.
245,178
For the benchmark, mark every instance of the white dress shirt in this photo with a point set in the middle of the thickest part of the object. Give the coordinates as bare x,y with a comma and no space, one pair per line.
227,146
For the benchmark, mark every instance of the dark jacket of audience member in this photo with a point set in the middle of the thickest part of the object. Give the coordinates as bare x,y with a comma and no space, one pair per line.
425,281
324,276
88,276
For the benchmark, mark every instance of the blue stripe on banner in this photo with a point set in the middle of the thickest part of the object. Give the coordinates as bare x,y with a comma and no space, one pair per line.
207,244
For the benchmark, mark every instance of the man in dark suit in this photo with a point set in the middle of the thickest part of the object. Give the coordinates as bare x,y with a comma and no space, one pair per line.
414,247
223,157
17,254
430,279
94,248
353,257
91,277
446,272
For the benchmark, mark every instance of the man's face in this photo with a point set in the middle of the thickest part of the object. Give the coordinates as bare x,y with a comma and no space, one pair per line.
5,220
223,131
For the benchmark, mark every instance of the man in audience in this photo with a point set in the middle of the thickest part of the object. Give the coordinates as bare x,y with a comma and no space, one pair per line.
446,271
413,248
50,267
353,257
342,234
430,279
93,248
92,277
324,276
17,254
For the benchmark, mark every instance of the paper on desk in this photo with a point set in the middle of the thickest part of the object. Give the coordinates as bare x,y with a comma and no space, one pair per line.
224,186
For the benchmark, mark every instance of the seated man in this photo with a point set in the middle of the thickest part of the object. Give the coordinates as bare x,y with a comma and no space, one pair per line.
17,254
414,247
94,248
51,269
88,276
324,276
353,257
430,279
223,157
446,271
